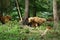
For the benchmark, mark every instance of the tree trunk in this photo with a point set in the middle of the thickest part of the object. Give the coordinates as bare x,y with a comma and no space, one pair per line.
19,13
4,6
26,14
34,11
34,8
1,10
58,7
55,15
1,13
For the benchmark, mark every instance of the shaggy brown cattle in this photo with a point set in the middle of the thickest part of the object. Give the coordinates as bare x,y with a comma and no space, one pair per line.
5,19
35,21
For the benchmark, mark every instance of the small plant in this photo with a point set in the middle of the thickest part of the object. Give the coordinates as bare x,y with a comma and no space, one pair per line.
27,30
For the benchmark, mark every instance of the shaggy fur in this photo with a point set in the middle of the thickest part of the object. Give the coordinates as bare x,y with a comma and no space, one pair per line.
5,19
36,21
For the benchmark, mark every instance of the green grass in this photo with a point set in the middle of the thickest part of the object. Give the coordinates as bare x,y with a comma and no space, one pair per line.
13,31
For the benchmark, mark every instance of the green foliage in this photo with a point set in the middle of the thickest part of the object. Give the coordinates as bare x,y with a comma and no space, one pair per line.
40,5
45,15
50,24
12,31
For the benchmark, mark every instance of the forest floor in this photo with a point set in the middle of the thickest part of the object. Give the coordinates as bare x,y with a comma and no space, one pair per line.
14,31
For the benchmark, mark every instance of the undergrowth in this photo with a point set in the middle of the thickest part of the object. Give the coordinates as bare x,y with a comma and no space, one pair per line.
13,31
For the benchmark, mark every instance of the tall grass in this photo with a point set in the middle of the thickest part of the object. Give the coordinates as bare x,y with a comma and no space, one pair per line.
13,31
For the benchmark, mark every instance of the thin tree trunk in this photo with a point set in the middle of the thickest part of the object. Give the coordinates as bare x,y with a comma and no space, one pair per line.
34,11
26,14
34,8
1,10
26,8
1,13
19,13
55,15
